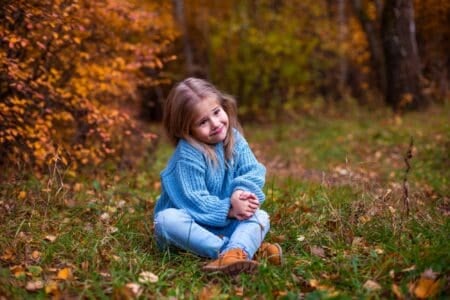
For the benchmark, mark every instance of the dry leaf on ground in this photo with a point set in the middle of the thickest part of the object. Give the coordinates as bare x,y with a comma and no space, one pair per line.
34,285
8,255
64,274
148,277
318,251
51,238
36,255
52,288
209,292
372,285
397,292
427,286
135,288
18,271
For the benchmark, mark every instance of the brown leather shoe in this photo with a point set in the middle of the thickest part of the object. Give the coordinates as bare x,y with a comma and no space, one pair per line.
271,252
232,262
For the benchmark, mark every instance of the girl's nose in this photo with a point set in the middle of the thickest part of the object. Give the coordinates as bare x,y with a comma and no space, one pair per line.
215,122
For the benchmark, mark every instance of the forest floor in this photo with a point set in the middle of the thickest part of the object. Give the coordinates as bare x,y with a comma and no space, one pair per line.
354,221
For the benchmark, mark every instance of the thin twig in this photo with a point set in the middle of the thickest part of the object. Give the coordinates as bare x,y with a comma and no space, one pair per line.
407,158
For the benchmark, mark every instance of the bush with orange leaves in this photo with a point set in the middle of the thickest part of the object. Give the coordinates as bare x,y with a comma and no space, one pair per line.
68,68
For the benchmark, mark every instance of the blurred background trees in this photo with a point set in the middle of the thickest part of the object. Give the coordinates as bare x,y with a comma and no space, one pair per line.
77,76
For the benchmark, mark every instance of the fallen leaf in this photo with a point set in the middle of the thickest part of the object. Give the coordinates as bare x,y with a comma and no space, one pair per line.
8,255
64,274
397,292
36,255
22,195
51,238
379,250
279,294
135,288
279,238
357,242
412,268
318,251
148,277
428,285
392,274
239,291
77,187
314,283
104,217
52,288
301,238
372,285
112,229
209,292
18,271
35,285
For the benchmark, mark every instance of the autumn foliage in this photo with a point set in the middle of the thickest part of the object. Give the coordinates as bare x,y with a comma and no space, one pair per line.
68,77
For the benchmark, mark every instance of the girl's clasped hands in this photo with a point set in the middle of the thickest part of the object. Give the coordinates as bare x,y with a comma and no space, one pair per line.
243,205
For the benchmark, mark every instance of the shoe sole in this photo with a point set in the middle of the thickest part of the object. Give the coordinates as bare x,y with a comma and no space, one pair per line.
248,266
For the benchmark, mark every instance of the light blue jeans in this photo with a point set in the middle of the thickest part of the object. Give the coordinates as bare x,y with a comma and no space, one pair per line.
175,227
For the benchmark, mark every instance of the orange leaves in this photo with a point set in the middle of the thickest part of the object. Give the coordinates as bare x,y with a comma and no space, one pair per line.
36,278
427,285
62,93
64,274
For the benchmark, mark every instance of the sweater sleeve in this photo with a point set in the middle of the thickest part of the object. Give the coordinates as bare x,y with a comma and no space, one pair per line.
187,189
250,174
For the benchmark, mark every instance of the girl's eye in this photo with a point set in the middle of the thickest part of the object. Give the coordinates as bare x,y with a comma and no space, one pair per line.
203,122
217,111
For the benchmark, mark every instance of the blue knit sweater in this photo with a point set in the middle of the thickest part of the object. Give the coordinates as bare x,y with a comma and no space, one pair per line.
190,182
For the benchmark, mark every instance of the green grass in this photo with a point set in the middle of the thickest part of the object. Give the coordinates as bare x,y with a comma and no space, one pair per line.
334,185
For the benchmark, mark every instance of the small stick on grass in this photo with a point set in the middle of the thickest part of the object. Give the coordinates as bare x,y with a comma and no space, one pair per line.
407,158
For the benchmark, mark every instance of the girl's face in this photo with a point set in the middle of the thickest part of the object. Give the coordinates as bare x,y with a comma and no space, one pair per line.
210,123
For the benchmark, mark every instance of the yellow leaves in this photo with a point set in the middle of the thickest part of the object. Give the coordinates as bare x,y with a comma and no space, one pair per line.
52,288
8,255
84,82
427,286
22,195
18,271
64,274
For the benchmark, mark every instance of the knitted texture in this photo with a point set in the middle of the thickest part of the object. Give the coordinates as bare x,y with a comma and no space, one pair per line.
192,183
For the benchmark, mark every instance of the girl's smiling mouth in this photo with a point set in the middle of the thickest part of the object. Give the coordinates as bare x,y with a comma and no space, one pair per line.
217,131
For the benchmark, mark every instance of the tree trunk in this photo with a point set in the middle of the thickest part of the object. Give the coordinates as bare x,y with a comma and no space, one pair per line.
187,49
373,35
403,72
343,32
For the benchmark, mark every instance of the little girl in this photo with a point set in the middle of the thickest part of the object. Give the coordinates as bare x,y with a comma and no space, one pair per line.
212,185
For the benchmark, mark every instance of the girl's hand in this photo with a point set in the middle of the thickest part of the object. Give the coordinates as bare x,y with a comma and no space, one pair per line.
250,197
243,205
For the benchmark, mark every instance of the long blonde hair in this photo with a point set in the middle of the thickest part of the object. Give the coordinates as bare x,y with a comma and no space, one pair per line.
178,114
